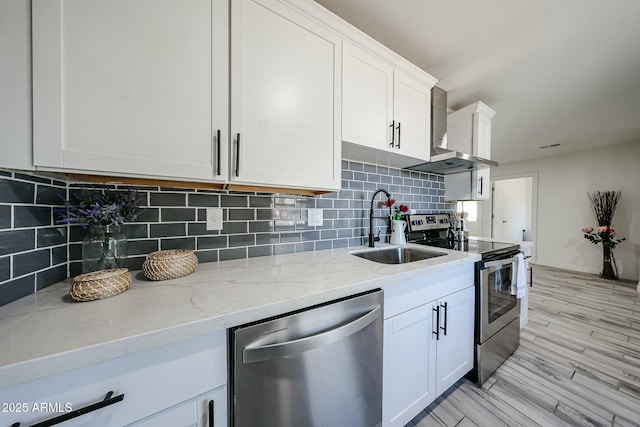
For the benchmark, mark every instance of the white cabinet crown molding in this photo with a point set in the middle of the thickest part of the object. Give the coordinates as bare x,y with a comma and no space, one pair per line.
355,36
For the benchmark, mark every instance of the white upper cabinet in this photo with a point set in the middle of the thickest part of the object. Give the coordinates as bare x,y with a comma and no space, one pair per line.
384,108
367,99
474,185
15,84
285,92
469,130
412,114
133,87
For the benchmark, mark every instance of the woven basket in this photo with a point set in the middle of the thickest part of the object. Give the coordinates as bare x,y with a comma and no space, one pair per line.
169,264
100,284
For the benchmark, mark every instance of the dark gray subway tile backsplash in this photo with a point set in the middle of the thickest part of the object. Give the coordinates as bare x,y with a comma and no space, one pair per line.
35,252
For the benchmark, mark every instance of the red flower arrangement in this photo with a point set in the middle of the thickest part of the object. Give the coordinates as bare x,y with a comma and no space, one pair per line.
400,210
604,234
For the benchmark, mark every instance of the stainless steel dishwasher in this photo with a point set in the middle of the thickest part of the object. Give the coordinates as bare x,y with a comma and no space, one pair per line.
316,367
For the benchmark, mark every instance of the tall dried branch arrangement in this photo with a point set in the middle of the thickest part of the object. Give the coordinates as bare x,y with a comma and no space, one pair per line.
603,205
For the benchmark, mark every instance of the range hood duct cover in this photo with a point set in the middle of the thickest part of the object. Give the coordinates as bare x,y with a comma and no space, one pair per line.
443,160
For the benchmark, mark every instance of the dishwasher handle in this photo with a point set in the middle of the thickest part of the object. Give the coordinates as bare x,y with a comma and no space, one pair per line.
291,348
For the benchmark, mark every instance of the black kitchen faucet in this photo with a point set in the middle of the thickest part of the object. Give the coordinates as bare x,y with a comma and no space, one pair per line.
371,238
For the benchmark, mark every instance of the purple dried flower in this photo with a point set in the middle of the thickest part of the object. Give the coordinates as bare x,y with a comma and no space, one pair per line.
99,207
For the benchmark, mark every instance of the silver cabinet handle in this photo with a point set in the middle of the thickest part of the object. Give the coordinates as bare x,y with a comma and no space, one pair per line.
280,350
445,307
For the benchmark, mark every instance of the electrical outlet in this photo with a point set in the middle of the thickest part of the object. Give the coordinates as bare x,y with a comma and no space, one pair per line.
214,219
314,217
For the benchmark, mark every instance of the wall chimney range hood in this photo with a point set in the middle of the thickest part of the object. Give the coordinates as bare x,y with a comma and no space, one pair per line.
444,158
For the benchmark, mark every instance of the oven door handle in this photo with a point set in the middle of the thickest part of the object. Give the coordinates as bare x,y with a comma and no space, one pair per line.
499,262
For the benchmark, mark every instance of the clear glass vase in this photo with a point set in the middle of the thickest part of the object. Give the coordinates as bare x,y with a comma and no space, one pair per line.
105,246
608,264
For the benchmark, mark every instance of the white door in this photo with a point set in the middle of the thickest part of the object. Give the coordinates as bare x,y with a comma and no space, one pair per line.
456,342
285,87
367,99
512,209
135,87
409,365
411,111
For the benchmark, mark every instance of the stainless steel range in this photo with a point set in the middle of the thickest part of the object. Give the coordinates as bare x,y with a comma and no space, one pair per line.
497,329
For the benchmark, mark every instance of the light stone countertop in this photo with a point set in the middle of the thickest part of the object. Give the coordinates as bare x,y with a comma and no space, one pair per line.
522,243
48,333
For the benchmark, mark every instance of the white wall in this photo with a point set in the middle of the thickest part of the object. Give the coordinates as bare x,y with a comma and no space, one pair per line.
563,206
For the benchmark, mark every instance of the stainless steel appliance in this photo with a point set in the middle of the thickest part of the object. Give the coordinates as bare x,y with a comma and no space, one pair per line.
497,329
316,367
444,158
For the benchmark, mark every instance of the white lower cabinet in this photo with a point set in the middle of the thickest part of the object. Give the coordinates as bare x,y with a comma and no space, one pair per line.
454,355
170,385
207,410
408,377
428,341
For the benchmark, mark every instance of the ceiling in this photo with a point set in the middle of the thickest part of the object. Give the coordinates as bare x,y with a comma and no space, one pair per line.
556,72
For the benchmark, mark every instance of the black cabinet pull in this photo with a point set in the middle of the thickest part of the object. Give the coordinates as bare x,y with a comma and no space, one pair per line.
211,413
237,154
393,133
437,332
398,144
218,152
108,400
481,192
444,330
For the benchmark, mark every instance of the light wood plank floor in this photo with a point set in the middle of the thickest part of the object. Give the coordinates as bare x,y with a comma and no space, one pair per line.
578,363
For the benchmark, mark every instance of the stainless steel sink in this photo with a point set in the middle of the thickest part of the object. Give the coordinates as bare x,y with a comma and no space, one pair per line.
397,255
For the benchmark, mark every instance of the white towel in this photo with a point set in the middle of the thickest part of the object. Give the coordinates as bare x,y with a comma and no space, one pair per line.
521,276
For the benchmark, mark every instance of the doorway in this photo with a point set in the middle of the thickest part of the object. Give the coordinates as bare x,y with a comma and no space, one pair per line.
511,209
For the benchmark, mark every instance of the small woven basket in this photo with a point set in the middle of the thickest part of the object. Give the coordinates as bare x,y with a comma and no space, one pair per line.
100,284
169,264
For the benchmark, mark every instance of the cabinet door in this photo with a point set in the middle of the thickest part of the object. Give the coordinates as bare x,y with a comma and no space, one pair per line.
285,88
482,135
160,383
367,99
455,346
408,365
212,408
15,84
481,181
411,111
183,415
135,87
